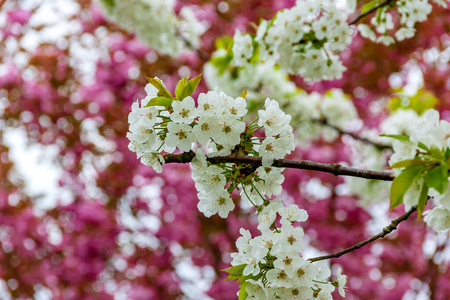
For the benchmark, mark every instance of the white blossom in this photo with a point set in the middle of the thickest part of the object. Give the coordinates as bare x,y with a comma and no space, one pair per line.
256,290
180,135
367,32
300,293
184,111
286,38
272,148
325,292
273,119
304,273
153,160
292,214
404,33
386,40
161,33
217,202
268,214
438,218
289,240
209,104
206,128
211,180
271,180
342,281
229,131
278,278
242,48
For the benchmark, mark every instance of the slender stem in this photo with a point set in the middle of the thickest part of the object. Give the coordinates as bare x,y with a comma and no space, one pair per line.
264,199
369,12
248,197
159,148
254,121
388,229
335,169
351,134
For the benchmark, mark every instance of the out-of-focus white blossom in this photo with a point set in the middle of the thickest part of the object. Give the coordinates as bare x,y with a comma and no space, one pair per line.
156,23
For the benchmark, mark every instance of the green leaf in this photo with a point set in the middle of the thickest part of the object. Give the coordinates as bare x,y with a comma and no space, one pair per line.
437,153
232,277
190,87
224,42
444,174
242,292
437,178
222,62
369,6
403,182
378,16
180,86
244,93
423,146
243,278
408,163
160,101
422,101
422,201
109,3
397,136
235,271
158,84
447,153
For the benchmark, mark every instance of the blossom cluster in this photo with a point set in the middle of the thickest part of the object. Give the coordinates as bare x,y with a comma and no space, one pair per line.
310,111
271,262
410,12
368,157
301,40
214,124
429,142
166,32
217,125
261,80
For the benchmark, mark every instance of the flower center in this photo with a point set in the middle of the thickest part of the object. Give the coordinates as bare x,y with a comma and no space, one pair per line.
282,275
221,201
226,129
184,113
291,240
287,261
181,134
269,147
204,127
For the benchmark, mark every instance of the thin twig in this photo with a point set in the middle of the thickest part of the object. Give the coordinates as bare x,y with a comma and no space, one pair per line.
333,168
202,54
388,229
370,11
351,134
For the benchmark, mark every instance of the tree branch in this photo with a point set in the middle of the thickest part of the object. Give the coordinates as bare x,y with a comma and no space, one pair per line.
351,134
333,168
369,12
388,229
202,54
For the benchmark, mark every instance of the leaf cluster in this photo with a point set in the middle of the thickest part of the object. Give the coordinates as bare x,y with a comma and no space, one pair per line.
235,273
430,164
185,88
